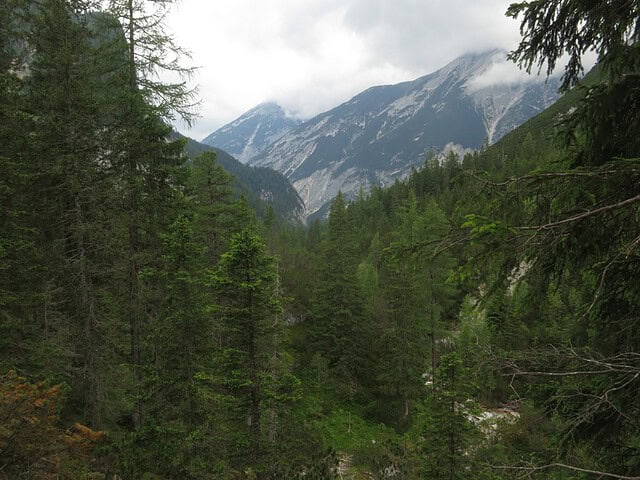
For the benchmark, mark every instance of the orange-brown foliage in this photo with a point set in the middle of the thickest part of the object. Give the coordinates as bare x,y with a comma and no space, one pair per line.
32,444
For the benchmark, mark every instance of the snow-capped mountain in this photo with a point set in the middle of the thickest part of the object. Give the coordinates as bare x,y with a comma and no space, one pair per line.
381,133
252,132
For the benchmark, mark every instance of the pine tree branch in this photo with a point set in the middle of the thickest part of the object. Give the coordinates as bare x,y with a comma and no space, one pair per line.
623,363
621,370
582,216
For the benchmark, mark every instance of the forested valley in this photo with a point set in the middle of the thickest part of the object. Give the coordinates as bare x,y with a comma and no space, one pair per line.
478,320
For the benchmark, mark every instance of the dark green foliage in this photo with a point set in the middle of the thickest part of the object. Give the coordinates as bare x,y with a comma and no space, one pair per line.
75,206
18,253
253,368
571,240
445,435
264,187
413,292
574,27
146,161
210,188
182,336
106,251
337,310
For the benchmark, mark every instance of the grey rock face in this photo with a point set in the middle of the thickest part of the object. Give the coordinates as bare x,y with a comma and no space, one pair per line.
252,132
381,133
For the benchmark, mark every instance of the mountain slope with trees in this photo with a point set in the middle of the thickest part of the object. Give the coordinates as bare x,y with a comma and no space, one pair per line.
264,188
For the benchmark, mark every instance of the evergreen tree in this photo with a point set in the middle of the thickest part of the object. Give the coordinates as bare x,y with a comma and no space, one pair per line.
74,209
142,155
252,365
445,435
19,335
176,440
211,191
150,51
338,308
578,235
414,292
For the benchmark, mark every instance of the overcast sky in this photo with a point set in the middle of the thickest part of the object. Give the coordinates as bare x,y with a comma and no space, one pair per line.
311,55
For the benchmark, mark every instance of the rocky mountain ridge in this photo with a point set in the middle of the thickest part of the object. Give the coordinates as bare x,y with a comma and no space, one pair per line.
253,131
379,135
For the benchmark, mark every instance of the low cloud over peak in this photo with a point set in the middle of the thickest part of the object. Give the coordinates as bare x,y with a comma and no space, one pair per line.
311,55
501,72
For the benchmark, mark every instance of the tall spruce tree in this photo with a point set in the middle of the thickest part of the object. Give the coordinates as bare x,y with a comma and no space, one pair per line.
445,434
338,306
177,439
18,261
210,189
251,360
414,292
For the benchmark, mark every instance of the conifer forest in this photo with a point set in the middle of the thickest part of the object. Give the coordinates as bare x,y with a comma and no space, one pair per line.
478,320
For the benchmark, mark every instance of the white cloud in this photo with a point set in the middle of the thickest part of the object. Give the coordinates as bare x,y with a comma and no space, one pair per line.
423,35
505,72
502,72
310,55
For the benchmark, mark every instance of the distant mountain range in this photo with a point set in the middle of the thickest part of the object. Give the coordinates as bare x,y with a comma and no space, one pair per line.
253,131
381,133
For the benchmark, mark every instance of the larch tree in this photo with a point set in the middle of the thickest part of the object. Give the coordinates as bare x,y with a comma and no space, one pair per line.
143,155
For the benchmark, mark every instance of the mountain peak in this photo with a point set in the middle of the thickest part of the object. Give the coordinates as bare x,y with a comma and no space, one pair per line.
253,131
267,108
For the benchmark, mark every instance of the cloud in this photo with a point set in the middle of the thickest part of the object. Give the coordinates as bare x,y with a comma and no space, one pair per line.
311,55
420,35
502,72
505,72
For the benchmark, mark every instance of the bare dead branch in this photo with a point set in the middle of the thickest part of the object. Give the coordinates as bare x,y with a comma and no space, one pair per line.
552,175
582,216
555,374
